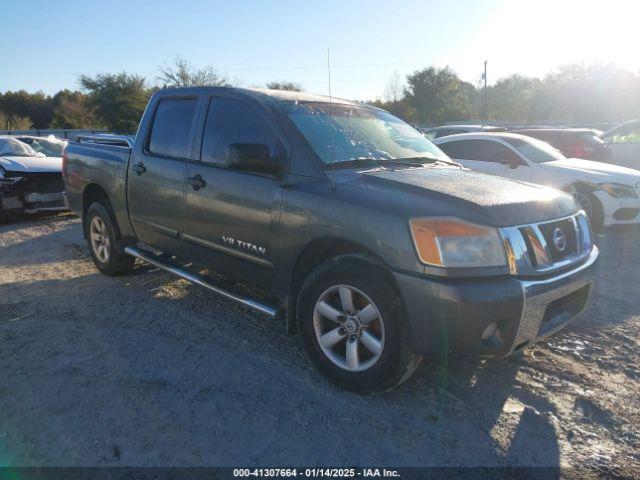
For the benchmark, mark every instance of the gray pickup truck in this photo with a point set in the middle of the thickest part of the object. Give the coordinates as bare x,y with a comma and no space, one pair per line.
356,230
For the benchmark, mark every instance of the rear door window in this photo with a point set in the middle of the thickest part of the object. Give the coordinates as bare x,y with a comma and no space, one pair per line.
171,128
479,150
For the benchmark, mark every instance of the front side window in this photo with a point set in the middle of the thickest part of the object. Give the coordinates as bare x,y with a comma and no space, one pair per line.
461,149
172,127
229,122
535,150
341,133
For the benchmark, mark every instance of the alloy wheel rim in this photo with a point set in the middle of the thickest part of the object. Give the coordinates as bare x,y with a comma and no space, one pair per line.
349,328
100,242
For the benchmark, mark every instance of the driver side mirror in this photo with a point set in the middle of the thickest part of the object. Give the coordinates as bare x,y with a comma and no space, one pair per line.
253,157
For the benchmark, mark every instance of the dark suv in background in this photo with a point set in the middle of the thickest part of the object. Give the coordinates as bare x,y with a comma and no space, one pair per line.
446,130
572,142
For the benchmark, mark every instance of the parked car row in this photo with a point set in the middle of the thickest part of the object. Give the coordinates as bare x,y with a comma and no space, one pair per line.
599,169
609,194
619,145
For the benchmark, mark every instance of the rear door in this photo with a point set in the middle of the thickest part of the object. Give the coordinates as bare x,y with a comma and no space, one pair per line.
157,170
231,217
487,156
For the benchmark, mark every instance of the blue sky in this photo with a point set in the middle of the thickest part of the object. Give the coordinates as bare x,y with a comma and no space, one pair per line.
47,44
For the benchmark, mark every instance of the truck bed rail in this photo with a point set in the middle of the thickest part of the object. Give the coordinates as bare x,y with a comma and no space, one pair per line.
107,139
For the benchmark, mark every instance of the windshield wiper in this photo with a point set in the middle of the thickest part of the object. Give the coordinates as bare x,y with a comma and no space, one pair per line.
430,159
403,162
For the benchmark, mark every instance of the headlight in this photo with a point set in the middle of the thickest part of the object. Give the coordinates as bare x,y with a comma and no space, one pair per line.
617,190
2,172
451,242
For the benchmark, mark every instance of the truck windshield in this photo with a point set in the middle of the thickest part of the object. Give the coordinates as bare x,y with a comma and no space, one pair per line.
358,133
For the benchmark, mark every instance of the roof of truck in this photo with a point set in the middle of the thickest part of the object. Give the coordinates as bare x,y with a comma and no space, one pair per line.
261,93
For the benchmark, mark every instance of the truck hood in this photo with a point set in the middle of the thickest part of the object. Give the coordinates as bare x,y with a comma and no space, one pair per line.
474,196
596,172
31,164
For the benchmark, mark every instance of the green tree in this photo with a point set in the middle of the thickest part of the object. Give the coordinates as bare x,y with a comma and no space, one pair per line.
14,122
73,110
180,73
37,107
283,85
513,99
588,94
119,99
437,95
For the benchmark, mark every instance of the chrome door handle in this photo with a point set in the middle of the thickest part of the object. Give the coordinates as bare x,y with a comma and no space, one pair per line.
139,168
196,182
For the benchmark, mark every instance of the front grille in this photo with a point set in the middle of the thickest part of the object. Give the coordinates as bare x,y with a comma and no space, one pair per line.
561,238
549,246
563,309
45,182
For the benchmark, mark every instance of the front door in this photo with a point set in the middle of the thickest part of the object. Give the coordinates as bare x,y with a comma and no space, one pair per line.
231,217
156,174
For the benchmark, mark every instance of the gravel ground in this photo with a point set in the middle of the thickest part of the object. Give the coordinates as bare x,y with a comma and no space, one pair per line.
148,370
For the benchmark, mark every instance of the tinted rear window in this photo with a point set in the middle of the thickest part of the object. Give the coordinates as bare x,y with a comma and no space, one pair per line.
172,126
478,150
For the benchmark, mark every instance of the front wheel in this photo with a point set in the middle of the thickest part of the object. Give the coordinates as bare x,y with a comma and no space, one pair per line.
353,326
105,243
592,207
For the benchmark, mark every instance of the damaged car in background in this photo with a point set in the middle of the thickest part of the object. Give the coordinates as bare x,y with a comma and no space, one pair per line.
30,180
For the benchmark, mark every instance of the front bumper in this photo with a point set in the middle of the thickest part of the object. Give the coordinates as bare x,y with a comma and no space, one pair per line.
449,315
618,211
32,193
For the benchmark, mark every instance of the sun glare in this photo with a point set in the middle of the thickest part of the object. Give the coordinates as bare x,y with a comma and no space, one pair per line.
533,38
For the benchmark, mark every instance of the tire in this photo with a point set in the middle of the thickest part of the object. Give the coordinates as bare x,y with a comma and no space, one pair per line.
105,243
592,207
374,321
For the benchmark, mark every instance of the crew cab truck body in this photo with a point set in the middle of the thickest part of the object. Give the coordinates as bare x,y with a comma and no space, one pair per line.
371,243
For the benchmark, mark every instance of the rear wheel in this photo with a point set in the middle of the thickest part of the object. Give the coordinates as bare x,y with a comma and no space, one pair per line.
353,326
105,243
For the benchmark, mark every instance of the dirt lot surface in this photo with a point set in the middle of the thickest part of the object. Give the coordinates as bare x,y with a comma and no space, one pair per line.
149,370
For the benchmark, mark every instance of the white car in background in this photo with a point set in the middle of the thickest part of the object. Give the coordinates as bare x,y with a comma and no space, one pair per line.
609,194
623,142
30,180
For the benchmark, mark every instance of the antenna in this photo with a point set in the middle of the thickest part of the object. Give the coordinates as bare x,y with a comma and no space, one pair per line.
333,185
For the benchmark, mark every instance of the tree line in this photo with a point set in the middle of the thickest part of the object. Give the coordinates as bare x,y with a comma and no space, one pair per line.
574,94
114,102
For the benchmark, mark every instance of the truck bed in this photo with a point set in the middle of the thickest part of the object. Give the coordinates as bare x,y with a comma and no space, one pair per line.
99,163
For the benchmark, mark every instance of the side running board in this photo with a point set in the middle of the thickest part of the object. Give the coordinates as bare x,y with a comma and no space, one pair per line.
197,280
